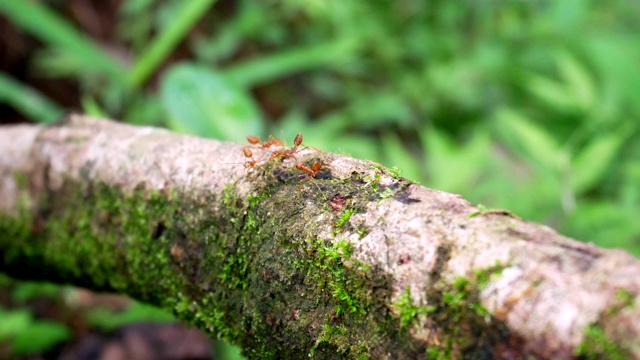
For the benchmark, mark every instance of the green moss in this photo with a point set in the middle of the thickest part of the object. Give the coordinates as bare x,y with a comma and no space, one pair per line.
344,217
16,228
329,334
626,297
155,246
483,276
457,299
13,229
395,172
328,269
237,257
596,345
386,194
362,231
467,328
407,311
436,353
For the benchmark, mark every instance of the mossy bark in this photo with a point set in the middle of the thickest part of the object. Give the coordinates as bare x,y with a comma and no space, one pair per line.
352,263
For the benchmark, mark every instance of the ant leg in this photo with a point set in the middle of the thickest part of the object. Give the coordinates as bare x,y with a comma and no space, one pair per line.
310,173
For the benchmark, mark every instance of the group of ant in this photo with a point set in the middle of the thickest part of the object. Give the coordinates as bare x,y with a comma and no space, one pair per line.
281,154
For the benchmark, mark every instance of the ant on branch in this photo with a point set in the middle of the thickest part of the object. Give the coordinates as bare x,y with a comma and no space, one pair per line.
273,141
310,171
282,153
288,153
249,161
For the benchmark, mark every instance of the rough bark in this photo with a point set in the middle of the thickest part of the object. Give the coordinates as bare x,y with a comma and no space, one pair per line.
353,263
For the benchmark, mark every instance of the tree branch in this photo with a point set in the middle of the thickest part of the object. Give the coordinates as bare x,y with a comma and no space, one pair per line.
354,262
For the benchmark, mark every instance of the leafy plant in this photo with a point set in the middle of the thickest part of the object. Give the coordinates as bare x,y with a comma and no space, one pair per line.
526,106
27,335
105,319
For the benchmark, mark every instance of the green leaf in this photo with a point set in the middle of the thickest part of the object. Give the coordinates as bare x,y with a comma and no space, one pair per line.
396,154
554,93
42,335
13,322
108,320
454,167
591,164
36,19
533,141
605,223
290,61
28,101
91,107
373,110
579,82
575,92
184,19
613,54
329,133
29,336
200,101
27,290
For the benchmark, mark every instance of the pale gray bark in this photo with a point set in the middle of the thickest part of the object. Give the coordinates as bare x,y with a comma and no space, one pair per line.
519,287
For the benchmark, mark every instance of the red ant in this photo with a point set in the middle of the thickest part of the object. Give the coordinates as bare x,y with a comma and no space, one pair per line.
282,154
310,171
249,161
250,164
255,140
288,153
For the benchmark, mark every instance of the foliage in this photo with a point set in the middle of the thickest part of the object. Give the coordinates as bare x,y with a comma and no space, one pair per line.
107,320
27,335
529,106
21,333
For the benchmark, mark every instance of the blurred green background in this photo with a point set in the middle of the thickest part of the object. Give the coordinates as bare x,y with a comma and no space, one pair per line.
531,106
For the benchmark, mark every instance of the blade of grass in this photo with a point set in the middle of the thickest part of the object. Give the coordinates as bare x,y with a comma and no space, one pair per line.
268,68
46,25
167,40
28,101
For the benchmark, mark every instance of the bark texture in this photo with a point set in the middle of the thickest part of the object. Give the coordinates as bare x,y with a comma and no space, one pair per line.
355,262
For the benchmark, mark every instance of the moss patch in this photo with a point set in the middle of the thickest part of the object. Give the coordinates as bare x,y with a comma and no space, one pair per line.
596,345
409,312
465,328
310,286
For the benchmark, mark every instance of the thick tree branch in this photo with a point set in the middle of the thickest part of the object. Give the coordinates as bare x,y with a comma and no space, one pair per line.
354,262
